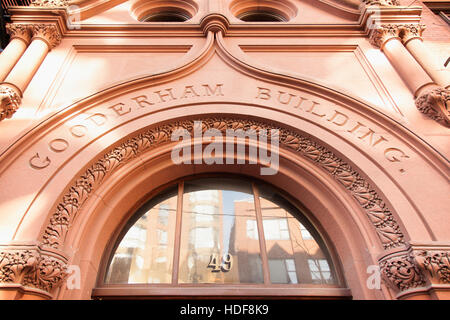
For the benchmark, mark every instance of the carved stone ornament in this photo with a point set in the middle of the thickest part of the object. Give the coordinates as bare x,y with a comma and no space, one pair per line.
50,3
381,34
401,272
9,102
434,263
411,31
435,104
32,268
71,204
386,3
47,32
19,31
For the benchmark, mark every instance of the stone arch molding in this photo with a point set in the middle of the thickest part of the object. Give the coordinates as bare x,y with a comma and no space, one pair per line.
41,266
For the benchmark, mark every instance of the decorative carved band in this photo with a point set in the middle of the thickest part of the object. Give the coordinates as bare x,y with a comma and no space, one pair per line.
435,104
72,202
19,31
32,267
435,263
10,101
47,32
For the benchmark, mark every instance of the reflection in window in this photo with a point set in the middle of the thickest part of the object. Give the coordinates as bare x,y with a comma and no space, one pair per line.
223,224
320,270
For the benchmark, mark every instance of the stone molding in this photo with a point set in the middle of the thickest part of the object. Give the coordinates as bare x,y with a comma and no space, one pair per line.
435,104
72,202
48,33
10,101
19,31
31,267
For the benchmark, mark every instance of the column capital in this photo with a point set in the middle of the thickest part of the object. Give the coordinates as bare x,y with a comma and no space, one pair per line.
383,33
49,33
32,268
19,31
435,104
411,31
50,3
385,3
10,101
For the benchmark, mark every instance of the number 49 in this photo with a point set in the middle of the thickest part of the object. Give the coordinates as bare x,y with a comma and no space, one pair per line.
225,266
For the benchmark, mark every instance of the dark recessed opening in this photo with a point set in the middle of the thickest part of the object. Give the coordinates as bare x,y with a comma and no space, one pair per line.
166,16
261,16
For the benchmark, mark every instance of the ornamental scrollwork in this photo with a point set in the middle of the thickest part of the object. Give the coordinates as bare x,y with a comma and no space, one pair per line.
435,104
10,101
435,263
72,202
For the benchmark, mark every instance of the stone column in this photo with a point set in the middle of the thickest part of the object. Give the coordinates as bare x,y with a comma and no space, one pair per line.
412,39
431,100
19,40
45,37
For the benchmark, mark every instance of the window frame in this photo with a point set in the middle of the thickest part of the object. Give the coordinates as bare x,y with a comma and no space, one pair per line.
176,290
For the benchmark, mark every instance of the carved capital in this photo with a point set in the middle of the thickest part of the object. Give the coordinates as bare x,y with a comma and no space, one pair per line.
435,264
47,32
435,104
10,101
50,3
383,33
385,3
400,271
31,267
411,31
19,31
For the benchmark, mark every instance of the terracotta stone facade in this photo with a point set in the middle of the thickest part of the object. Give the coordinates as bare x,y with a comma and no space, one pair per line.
91,92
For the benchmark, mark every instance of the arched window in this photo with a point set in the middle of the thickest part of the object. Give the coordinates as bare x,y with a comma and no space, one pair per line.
219,236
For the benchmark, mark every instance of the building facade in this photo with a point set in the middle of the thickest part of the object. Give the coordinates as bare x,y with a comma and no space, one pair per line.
313,137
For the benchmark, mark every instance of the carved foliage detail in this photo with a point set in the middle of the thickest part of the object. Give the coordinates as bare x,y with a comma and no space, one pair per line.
383,33
381,2
9,102
31,268
21,31
48,32
435,104
410,31
50,3
72,202
436,263
401,272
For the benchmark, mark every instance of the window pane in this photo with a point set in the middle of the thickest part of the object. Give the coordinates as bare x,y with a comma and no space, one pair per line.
219,237
145,253
291,243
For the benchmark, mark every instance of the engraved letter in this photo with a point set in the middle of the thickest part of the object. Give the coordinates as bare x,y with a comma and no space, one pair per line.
287,99
263,93
371,133
142,101
209,92
189,90
393,158
311,110
37,163
118,108
98,118
78,133
337,122
162,96
58,145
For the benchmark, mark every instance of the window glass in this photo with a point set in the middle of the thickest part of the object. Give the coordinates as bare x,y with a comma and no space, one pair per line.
290,246
217,215
145,253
